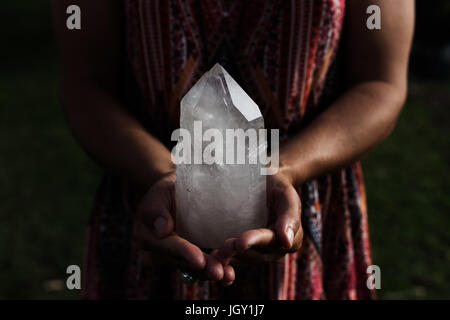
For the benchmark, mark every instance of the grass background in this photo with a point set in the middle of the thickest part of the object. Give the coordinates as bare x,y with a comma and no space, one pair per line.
47,183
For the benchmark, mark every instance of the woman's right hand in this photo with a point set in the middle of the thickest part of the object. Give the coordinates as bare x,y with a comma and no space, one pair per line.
154,231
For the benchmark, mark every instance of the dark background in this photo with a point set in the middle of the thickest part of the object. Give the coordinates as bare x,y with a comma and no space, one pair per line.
47,183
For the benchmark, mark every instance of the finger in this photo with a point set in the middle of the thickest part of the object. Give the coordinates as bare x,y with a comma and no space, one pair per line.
165,260
214,269
298,242
158,219
226,251
155,212
288,218
256,239
252,257
228,275
286,229
187,255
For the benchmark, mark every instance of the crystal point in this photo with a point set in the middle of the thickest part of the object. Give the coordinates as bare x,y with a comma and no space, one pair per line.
220,200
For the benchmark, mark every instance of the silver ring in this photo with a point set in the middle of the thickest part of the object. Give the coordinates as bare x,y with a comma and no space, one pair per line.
186,277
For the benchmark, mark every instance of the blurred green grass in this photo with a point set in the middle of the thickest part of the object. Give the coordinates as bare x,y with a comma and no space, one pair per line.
46,186
408,185
47,183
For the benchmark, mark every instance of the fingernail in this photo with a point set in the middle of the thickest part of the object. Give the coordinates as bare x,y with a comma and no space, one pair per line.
290,235
160,226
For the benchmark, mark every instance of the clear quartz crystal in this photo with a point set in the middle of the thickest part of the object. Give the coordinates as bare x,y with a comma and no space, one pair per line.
217,201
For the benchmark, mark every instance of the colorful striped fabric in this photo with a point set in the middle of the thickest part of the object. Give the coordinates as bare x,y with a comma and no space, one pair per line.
282,52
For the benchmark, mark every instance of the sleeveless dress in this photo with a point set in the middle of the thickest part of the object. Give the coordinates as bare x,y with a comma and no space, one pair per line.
286,56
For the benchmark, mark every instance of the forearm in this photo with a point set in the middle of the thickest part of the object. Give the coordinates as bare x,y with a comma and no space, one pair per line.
358,120
113,138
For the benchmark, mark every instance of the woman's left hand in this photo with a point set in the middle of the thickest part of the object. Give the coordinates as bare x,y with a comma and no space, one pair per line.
283,235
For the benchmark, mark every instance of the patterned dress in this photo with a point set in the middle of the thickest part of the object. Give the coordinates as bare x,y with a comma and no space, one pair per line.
286,55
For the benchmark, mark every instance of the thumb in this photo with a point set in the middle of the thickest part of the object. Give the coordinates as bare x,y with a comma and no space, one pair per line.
155,213
162,226
288,218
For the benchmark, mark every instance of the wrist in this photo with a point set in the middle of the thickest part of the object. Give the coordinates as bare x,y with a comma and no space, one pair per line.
285,169
290,169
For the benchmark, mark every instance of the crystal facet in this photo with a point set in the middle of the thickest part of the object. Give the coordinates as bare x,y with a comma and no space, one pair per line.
220,200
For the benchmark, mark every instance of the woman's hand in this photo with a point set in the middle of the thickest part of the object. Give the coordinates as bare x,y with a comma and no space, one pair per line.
284,234
154,231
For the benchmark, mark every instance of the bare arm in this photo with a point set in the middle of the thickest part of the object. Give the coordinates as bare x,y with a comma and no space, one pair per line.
366,114
359,119
92,58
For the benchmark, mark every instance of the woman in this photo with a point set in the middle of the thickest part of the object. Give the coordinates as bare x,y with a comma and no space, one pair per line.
333,87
